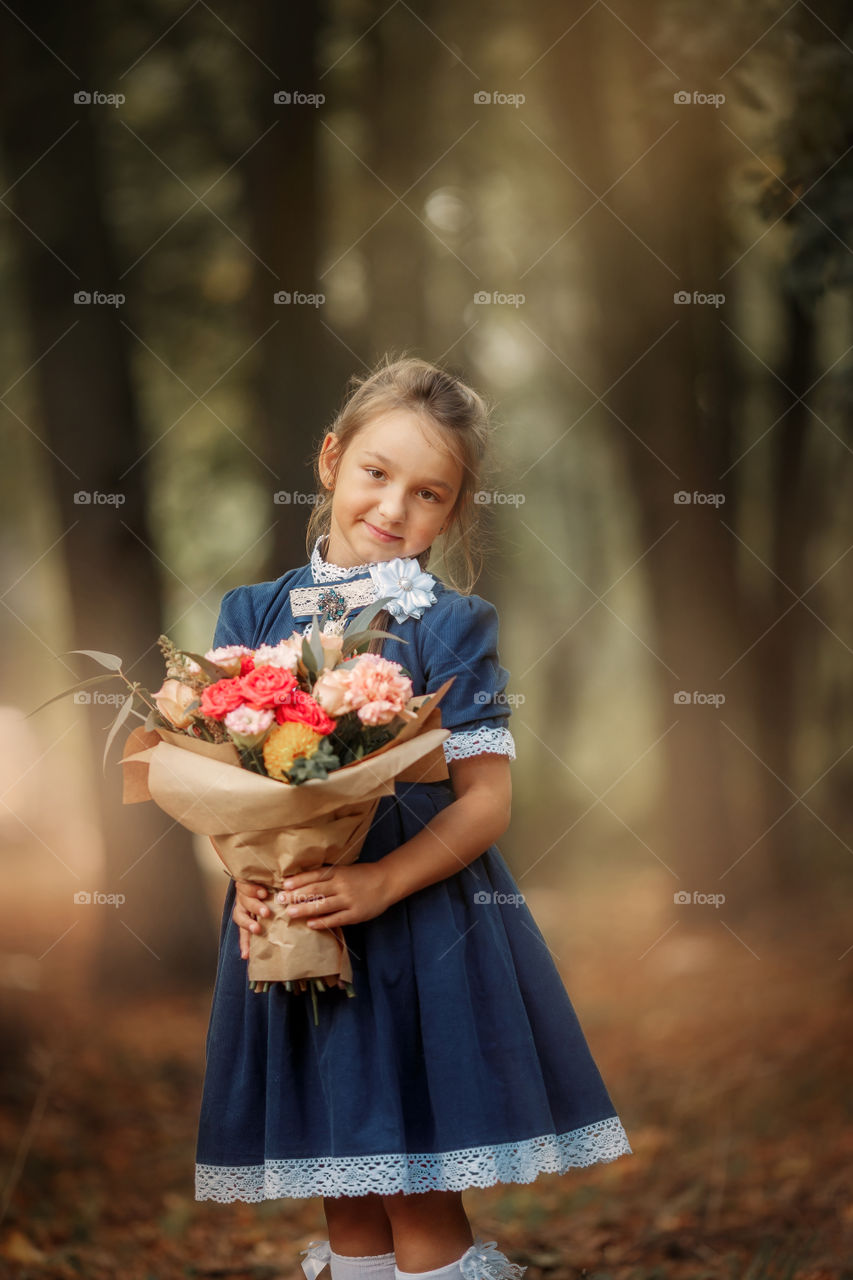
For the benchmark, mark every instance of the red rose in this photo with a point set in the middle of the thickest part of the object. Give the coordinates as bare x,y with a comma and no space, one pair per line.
267,686
220,698
247,664
307,710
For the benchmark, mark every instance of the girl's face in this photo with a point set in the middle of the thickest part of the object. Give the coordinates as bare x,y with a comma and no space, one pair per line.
394,488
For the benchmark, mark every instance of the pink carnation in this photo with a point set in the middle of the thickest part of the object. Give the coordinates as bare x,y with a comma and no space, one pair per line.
377,689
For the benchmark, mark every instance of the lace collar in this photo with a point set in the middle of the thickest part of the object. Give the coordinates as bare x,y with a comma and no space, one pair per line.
324,571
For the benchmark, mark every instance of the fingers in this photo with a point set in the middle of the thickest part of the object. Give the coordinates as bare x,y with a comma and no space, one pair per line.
301,879
244,943
307,904
248,889
251,904
244,920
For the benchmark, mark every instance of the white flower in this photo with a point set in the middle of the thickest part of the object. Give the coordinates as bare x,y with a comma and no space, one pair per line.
284,654
407,583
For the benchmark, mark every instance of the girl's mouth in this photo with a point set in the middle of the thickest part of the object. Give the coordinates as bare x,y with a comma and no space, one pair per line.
380,533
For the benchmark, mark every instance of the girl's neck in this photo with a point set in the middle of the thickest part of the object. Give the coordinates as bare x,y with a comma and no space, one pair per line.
321,563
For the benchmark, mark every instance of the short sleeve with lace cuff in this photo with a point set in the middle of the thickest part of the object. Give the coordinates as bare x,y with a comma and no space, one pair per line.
458,636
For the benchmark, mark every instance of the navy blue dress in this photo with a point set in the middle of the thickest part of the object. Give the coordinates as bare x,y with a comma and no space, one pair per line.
460,1062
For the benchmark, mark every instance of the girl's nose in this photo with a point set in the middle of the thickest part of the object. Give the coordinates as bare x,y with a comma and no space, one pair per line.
391,510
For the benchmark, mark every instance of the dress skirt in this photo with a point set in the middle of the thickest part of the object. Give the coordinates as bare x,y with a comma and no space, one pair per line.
460,1061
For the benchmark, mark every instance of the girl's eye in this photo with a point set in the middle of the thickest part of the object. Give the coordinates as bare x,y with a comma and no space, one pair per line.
374,471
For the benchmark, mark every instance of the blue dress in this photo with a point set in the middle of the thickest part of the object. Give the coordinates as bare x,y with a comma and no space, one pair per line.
460,1061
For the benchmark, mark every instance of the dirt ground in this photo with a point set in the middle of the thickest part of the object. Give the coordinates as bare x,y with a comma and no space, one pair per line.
727,1057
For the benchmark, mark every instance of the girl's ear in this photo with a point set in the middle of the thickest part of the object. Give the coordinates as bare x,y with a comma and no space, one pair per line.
328,459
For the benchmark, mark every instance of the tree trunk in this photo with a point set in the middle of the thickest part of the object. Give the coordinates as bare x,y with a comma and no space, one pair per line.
295,397
671,404
402,146
94,446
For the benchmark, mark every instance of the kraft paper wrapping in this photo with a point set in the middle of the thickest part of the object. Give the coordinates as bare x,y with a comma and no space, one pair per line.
265,829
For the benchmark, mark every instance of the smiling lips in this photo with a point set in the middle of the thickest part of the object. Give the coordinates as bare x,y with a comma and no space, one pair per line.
391,537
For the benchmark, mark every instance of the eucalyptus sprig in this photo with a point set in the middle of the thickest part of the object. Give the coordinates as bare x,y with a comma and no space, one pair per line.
137,691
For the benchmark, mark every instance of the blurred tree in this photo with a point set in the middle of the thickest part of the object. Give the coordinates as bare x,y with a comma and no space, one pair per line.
91,432
812,196
287,219
664,216
680,405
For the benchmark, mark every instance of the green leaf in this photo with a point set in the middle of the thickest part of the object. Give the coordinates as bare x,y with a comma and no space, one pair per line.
308,656
83,684
366,615
316,644
211,668
106,659
124,711
360,637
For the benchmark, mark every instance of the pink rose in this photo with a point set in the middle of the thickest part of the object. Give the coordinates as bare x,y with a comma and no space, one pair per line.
303,708
332,692
172,700
220,698
267,686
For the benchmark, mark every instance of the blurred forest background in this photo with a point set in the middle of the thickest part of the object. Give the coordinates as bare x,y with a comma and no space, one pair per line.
631,226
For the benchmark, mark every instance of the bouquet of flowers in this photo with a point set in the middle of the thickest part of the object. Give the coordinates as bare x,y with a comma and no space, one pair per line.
280,755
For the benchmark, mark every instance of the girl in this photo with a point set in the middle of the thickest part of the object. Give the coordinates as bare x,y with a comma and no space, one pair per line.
460,1062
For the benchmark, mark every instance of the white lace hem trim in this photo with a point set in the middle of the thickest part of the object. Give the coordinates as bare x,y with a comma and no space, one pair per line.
520,1162
485,738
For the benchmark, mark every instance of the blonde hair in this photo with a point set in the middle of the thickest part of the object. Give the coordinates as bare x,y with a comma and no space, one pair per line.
461,417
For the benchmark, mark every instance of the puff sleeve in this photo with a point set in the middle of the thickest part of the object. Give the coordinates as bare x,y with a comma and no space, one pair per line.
459,637
236,622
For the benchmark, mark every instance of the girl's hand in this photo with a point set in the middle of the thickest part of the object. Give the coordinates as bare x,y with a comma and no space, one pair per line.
328,895
249,909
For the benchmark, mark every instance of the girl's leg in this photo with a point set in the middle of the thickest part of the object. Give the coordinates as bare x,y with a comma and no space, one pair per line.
358,1225
430,1229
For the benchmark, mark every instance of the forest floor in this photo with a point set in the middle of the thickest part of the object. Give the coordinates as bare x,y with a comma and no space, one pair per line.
728,1061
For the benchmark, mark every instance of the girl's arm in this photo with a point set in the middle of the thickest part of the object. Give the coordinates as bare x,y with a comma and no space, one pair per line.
330,895
457,834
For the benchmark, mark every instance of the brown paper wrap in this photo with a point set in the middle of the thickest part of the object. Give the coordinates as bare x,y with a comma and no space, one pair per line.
264,830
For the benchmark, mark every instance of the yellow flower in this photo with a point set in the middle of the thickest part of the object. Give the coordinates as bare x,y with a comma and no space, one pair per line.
285,742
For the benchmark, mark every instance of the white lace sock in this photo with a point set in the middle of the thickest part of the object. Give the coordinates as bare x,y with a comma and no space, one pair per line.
450,1272
375,1266
480,1261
